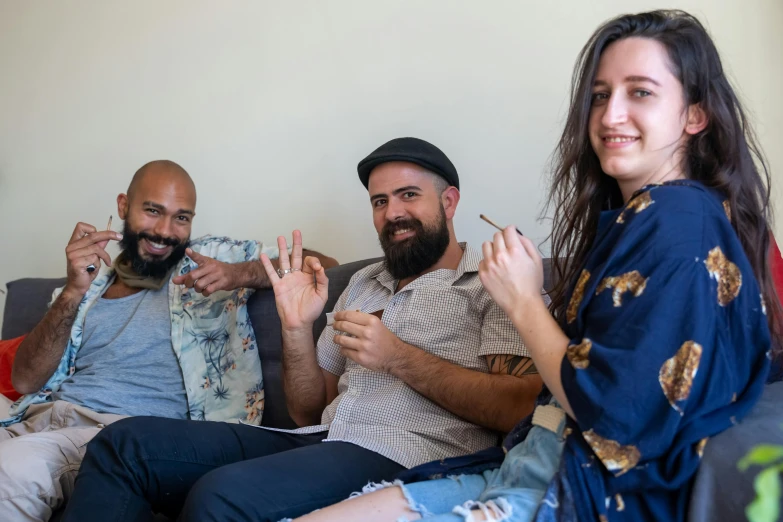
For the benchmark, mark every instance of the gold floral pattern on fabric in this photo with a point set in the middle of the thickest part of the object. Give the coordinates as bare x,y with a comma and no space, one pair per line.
629,282
578,295
726,273
727,208
700,446
763,304
602,518
620,502
677,374
636,205
616,458
578,354
254,404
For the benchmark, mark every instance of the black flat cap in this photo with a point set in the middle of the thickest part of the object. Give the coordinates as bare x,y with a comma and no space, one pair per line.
411,150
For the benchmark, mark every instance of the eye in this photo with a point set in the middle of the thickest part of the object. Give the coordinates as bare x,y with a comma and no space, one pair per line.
409,195
153,211
184,219
599,97
641,93
379,202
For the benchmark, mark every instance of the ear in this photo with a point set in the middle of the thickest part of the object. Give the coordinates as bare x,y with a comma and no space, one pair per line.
450,200
697,120
122,206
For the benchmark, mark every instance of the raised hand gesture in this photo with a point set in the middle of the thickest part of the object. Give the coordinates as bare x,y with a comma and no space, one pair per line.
301,286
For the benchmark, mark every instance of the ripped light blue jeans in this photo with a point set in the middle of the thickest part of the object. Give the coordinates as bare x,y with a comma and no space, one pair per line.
513,492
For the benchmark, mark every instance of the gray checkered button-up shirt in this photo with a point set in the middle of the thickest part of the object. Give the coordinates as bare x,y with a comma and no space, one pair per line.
446,313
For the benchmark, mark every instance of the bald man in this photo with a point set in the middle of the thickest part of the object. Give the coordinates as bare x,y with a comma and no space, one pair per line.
162,331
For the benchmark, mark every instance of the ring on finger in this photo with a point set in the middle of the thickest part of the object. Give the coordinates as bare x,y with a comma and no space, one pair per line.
283,271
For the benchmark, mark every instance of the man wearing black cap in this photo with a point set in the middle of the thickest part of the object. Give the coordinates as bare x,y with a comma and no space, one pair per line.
419,365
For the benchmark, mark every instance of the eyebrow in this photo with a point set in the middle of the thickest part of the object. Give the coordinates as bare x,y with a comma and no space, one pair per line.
158,206
398,191
630,79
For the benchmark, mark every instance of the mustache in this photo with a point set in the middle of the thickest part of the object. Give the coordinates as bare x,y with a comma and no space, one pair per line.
168,241
393,226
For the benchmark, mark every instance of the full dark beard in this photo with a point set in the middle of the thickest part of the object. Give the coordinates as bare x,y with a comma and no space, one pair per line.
156,267
410,257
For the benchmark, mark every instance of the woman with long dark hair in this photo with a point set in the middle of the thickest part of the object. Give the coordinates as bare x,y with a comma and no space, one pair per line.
658,337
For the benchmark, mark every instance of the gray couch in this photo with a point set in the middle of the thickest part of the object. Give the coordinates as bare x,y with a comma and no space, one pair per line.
720,493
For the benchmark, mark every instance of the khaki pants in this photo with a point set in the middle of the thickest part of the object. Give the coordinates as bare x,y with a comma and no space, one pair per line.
40,457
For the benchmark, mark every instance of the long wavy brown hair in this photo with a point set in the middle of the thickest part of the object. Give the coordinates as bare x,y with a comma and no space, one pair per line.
725,155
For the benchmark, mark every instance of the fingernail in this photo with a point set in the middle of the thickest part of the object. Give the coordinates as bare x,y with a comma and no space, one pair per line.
119,236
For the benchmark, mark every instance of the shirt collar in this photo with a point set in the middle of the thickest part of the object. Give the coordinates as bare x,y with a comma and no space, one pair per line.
468,264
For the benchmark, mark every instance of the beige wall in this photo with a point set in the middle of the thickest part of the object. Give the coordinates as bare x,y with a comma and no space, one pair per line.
270,105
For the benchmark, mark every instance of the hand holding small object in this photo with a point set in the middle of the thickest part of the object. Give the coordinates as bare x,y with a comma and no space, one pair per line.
91,268
485,218
86,249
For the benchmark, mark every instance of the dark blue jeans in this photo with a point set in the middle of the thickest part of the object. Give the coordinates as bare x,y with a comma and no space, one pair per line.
214,471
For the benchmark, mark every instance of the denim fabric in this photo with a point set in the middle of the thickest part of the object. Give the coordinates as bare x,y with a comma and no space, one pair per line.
512,492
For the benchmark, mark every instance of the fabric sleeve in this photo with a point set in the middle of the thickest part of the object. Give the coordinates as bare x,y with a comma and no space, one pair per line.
672,340
498,334
635,370
228,250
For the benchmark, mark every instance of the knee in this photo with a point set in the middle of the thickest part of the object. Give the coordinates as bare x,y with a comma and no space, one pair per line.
13,460
126,439
211,497
23,470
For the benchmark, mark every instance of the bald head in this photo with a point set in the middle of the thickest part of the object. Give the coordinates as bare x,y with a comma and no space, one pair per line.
160,206
162,172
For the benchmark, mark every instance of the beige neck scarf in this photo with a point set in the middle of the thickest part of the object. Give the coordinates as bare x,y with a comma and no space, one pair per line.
126,274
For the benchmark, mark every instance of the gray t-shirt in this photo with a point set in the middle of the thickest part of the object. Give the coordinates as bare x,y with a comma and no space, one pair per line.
126,364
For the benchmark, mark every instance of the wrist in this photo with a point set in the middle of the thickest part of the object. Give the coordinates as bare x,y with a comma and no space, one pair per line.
524,305
71,294
300,330
253,275
403,359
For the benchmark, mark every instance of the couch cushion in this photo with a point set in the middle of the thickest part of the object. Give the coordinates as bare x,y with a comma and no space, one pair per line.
26,304
7,354
27,301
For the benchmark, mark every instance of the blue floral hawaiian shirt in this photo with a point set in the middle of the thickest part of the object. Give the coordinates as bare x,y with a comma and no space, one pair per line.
212,338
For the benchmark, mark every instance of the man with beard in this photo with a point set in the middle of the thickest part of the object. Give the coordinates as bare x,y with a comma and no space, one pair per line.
420,364
133,340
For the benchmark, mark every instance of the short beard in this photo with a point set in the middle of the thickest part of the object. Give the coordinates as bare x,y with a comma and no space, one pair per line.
410,257
156,267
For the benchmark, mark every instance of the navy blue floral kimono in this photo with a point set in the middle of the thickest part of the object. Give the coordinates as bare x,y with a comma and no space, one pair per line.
669,347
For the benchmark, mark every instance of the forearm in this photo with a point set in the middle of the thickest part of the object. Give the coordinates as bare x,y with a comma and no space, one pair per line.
303,380
40,353
493,401
547,345
251,274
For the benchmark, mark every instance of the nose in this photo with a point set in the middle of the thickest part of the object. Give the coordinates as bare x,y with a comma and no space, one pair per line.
163,228
394,210
615,111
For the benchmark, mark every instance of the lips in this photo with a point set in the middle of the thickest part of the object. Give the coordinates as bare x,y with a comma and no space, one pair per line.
618,141
403,233
155,249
